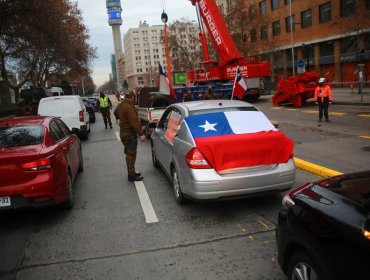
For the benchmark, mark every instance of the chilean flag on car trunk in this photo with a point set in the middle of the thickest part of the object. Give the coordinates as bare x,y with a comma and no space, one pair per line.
239,87
238,139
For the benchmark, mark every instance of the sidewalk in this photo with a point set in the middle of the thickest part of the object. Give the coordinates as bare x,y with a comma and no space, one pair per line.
348,96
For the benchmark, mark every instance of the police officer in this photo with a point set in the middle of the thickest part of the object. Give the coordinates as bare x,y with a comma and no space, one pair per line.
323,96
104,107
129,128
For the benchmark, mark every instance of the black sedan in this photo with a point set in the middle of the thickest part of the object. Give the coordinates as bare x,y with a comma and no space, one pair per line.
324,229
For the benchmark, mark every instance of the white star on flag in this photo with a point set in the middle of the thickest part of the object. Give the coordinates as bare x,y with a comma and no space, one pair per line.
208,126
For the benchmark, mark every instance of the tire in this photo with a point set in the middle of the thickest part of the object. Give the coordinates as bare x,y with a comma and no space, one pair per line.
81,164
68,204
84,135
303,267
179,197
154,157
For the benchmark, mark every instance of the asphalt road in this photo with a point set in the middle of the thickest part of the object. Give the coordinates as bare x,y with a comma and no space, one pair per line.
110,234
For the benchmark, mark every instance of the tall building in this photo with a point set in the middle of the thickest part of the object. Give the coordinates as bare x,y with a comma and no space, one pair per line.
114,13
144,50
332,37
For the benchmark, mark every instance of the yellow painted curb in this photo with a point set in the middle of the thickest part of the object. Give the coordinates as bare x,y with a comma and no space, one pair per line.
315,169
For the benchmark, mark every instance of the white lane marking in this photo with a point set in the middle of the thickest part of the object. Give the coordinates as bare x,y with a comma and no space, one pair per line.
117,135
146,204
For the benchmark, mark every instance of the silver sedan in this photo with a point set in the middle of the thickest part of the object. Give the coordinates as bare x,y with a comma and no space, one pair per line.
218,149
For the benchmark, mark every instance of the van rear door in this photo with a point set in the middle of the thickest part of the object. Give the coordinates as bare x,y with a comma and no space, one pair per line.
50,106
71,109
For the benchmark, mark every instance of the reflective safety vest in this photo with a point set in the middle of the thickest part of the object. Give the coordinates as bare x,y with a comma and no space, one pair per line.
103,102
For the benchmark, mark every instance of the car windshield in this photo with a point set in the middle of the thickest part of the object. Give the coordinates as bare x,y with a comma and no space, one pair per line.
217,110
18,136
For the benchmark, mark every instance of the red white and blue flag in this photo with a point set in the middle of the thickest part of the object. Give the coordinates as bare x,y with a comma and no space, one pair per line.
239,87
164,85
238,139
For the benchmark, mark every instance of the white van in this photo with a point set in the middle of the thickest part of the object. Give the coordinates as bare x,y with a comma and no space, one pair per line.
56,91
70,109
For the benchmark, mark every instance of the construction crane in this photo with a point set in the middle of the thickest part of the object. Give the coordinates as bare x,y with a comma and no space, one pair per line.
253,69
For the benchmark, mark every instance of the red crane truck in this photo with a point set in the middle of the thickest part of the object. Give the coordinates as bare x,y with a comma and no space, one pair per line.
253,69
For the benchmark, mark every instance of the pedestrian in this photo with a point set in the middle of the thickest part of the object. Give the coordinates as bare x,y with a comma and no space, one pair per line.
104,106
323,96
130,127
210,94
188,96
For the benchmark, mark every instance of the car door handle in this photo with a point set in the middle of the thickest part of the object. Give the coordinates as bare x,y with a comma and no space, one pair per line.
65,149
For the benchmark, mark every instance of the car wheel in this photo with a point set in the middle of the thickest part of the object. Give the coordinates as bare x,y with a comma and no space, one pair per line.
84,135
68,204
154,157
303,267
81,165
179,197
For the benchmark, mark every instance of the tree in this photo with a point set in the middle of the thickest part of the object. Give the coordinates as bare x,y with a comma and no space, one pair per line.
40,45
245,25
184,45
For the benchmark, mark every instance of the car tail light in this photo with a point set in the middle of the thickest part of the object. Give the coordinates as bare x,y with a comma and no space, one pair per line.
81,113
288,198
196,160
366,233
41,164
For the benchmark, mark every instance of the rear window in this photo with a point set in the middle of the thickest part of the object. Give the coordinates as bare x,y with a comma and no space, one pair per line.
18,136
218,110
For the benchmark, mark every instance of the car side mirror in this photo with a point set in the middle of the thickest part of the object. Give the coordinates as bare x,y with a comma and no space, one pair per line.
75,130
152,125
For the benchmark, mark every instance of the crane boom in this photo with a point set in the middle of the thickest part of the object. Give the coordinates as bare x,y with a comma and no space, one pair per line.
218,30
210,72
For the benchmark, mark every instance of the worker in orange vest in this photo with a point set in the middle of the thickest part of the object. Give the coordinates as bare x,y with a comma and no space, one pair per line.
323,96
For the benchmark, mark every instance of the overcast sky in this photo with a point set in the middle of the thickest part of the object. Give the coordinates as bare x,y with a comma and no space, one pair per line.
95,17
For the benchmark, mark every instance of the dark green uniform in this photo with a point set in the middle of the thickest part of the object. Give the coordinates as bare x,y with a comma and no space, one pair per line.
129,128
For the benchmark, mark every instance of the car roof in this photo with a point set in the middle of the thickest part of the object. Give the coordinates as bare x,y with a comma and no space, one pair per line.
211,104
28,120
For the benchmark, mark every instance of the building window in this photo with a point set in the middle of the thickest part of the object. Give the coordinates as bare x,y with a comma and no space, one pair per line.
347,8
367,4
348,45
289,22
253,35
274,4
252,12
276,28
325,12
263,8
306,18
287,2
264,33
327,48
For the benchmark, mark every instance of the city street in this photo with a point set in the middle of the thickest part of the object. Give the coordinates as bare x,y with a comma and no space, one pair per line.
122,230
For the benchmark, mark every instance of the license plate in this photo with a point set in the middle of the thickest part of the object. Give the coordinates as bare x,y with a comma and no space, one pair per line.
4,201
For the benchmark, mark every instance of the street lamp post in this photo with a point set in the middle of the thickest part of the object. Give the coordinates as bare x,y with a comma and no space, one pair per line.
291,36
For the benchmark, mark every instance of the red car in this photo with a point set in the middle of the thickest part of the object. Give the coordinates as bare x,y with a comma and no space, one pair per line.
39,161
